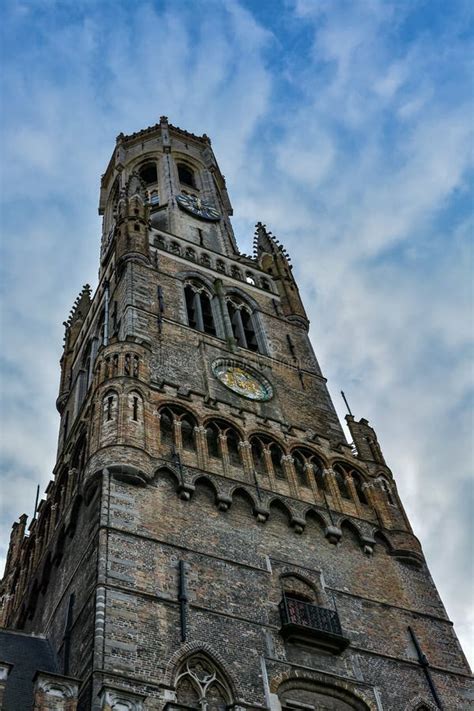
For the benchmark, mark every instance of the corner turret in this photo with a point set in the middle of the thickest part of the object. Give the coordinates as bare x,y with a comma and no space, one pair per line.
72,327
275,261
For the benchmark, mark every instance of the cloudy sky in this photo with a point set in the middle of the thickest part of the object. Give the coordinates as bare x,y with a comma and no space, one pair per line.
346,126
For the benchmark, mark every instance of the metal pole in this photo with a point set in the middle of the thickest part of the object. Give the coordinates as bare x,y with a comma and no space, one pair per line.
176,459
36,501
426,668
347,404
183,599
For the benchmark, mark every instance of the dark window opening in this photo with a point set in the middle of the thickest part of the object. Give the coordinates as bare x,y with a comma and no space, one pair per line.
258,457
207,315
341,482
319,477
135,409
110,402
242,327
186,175
191,306
149,174
212,437
233,449
187,435
359,489
276,455
166,428
199,310
300,469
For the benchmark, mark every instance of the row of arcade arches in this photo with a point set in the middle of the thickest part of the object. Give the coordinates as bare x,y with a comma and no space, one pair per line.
223,441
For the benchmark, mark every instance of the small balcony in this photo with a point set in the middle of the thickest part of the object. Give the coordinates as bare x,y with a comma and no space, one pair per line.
309,624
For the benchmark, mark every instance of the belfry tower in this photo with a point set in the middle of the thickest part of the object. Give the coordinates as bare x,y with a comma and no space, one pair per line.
210,540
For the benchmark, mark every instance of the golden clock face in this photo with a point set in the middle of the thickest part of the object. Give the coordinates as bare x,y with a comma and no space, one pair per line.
242,380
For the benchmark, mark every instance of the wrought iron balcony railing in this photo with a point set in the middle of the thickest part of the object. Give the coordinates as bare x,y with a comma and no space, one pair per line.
304,622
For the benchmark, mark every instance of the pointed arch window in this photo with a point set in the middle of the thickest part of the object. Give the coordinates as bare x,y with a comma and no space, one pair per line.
276,455
166,427
199,308
212,439
306,461
201,685
243,329
220,435
262,464
300,468
187,433
387,491
186,175
340,475
233,449
148,173
110,406
258,455
171,415
358,484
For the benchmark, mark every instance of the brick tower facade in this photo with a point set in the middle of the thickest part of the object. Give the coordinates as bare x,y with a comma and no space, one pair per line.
210,540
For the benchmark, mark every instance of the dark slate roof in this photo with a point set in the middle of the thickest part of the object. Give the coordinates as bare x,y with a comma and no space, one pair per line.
27,654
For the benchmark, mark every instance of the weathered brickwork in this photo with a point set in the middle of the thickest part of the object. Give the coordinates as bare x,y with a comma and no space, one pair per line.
210,539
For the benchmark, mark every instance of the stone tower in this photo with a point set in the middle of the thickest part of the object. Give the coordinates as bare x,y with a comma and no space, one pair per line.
210,540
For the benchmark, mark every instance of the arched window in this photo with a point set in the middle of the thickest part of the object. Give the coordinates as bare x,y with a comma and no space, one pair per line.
258,455
243,329
260,443
293,586
201,685
166,427
110,407
339,472
385,486
170,415
148,173
187,433
199,308
306,461
276,454
219,432
135,405
186,175
358,483
300,468
233,449
212,439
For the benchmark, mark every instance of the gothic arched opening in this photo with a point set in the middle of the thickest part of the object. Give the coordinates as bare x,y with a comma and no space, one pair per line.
200,684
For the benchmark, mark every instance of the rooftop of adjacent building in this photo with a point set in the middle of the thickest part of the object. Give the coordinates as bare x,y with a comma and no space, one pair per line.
25,654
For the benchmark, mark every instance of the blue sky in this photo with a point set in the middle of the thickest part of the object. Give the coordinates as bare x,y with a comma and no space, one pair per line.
347,127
